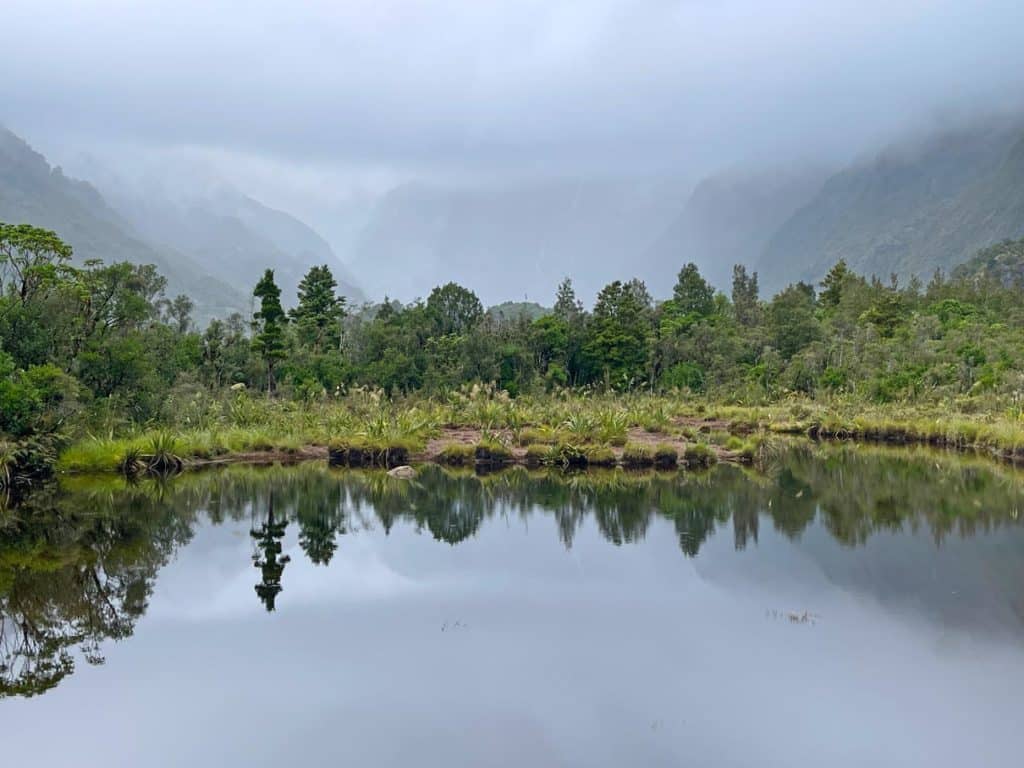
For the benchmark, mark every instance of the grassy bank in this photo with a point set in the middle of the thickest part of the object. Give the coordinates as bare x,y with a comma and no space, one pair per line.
997,433
480,425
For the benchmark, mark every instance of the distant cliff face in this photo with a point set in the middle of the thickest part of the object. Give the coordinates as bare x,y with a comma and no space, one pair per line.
908,211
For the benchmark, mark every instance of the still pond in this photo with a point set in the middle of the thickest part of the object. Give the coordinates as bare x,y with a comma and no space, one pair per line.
838,606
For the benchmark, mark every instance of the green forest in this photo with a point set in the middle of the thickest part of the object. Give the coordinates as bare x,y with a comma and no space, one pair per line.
98,351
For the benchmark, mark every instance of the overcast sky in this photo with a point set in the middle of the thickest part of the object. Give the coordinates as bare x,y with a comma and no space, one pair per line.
304,95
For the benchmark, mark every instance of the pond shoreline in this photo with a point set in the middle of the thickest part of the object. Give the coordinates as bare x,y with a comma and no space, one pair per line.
691,443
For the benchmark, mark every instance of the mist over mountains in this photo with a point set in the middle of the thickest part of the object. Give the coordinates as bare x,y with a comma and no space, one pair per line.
915,207
32,192
234,236
918,204
212,247
508,144
512,241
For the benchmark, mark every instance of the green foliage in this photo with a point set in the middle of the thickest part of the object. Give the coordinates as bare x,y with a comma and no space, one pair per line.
269,321
692,294
98,349
792,323
834,284
618,341
567,307
320,310
454,309
745,296
686,375
34,400
31,260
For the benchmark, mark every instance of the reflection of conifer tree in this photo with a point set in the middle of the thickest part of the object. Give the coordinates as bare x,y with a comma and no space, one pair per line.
453,509
319,510
621,518
792,503
452,521
744,524
269,559
694,522
569,518
316,537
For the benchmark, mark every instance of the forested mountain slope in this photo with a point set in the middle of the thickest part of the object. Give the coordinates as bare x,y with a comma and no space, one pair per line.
1002,262
213,248
234,236
31,192
910,210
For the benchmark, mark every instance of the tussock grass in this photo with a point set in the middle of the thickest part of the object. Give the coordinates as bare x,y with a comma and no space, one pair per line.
699,455
457,454
369,421
666,456
541,435
600,456
635,455
136,452
491,451
734,443
537,454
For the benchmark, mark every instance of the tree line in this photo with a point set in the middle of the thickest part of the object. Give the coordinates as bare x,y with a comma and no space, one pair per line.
103,344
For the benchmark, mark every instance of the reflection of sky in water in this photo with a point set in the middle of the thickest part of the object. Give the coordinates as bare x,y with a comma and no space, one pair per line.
599,656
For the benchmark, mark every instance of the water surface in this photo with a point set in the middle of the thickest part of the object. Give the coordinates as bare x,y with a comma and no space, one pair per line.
837,607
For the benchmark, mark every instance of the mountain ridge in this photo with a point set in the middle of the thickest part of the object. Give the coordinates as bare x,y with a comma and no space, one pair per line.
33,192
211,249
908,212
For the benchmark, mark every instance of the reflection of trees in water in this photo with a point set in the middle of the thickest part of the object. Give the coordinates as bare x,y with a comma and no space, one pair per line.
267,557
77,565
73,575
